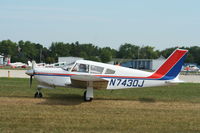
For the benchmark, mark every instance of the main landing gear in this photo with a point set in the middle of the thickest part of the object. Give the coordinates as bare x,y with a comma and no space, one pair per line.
38,94
87,99
88,94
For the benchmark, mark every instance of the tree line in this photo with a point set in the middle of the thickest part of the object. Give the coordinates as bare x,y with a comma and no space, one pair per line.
23,51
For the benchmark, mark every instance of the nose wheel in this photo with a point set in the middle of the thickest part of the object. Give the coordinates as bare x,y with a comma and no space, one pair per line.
38,94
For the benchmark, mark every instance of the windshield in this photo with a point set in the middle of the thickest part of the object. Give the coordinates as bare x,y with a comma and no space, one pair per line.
68,66
81,68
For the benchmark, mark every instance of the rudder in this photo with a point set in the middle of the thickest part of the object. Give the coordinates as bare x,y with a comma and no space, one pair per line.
171,67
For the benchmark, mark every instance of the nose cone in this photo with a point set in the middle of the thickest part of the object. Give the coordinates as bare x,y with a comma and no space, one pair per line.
30,72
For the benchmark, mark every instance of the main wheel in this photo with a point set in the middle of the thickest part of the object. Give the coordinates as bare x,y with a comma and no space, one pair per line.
36,95
87,99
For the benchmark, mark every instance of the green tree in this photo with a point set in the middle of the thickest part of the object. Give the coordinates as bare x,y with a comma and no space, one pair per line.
167,52
193,55
128,51
29,51
148,52
8,48
105,54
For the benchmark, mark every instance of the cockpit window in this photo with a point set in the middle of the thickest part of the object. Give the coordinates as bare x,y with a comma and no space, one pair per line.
81,68
68,66
96,69
109,71
56,64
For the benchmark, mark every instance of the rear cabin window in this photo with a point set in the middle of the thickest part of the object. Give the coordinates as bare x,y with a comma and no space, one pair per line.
56,64
96,70
109,71
81,68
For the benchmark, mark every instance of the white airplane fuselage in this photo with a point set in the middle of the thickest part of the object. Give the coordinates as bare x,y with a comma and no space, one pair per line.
59,77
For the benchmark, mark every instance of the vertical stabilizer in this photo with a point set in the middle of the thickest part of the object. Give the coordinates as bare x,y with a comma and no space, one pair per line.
171,67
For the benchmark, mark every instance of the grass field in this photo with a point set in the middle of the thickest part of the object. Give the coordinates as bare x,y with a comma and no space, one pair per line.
170,109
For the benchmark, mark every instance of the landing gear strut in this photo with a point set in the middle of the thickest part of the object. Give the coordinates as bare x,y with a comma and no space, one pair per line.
38,94
88,94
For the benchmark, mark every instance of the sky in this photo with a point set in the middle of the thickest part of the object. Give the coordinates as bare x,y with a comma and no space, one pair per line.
158,23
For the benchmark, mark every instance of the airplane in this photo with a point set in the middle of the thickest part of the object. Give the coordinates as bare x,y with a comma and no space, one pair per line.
191,68
36,64
92,75
59,64
17,64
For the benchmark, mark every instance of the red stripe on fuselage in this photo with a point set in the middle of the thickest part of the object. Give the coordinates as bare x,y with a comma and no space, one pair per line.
171,61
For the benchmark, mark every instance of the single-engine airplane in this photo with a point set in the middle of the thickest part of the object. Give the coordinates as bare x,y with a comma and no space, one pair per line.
17,64
94,75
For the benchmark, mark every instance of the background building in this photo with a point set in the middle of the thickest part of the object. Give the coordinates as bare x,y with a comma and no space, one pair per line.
1,59
69,59
116,61
148,64
7,60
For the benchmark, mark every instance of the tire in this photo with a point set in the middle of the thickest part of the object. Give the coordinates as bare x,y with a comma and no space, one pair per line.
87,99
84,96
38,95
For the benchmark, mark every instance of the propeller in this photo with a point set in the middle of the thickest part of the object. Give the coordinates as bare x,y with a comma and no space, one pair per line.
31,73
31,80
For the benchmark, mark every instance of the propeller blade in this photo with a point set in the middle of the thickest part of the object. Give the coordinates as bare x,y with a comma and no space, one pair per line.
31,80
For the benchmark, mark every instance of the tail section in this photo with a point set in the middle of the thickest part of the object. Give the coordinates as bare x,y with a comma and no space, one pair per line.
34,65
29,64
171,67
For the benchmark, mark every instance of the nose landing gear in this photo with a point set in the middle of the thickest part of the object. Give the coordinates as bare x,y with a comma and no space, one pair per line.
38,94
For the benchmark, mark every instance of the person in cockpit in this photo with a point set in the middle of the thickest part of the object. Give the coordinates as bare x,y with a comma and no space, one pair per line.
82,68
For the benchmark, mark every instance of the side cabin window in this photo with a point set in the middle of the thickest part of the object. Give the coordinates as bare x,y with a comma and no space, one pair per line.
56,65
96,69
81,68
109,71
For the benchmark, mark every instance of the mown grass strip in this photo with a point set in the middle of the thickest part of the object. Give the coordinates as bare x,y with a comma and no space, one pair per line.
142,110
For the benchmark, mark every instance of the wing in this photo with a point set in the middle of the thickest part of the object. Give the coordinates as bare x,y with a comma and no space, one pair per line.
82,81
